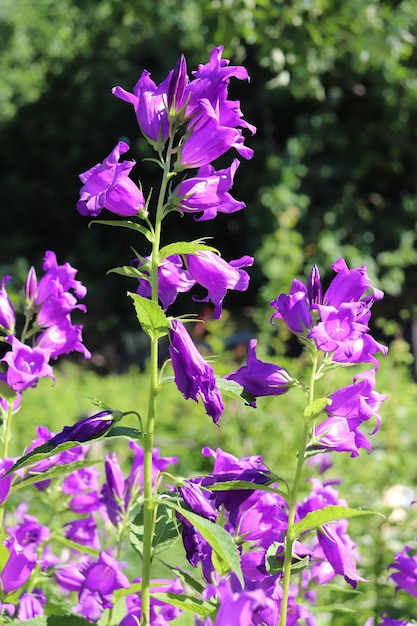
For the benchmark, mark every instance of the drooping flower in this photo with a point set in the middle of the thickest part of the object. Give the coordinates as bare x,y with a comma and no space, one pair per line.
26,365
7,315
193,375
151,107
207,193
260,378
18,567
31,604
113,490
161,613
173,279
216,275
294,309
405,574
337,548
107,185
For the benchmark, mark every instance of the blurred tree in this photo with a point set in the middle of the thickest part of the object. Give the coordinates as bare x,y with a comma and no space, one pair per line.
333,94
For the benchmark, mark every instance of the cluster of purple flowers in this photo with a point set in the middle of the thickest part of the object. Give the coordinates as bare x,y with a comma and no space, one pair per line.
48,304
258,520
90,571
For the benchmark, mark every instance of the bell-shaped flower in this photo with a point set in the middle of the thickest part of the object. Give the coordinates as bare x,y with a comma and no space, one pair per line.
193,375
260,378
178,80
405,574
216,275
337,548
7,315
63,338
5,481
29,533
113,490
64,275
173,279
17,568
107,185
207,193
294,309
207,139
349,285
83,531
31,604
151,107
197,500
26,365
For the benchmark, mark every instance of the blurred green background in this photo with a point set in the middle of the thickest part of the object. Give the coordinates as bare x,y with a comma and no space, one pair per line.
333,94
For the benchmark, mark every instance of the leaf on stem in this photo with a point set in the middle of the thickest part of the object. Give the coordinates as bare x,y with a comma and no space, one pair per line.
315,519
151,316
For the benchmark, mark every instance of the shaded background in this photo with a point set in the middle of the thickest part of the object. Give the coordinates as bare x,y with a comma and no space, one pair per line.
333,94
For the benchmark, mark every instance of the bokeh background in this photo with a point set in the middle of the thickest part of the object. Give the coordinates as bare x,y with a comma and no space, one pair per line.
333,94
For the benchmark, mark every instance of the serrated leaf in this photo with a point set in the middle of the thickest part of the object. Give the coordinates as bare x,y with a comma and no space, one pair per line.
186,604
232,389
316,408
165,532
317,518
126,224
220,540
184,247
151,316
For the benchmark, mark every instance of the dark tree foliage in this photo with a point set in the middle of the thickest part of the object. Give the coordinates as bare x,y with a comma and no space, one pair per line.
333,93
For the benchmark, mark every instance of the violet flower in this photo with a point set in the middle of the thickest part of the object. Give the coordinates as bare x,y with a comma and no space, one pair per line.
31,604
17,568
260,378
193,376
405,574
26,365
150,104
294,309
216,275
63,338
161,613
88,428
337,549
113,490
173,279
207,193
107,185
7,315
5,481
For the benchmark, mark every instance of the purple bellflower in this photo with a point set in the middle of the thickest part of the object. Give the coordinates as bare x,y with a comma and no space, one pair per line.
173,279
113,490
26,365
210,271
107,185
193,376
31,604
63,338
207,193
294,309
18,566
150,103
405,574
7,315
260,378
161,613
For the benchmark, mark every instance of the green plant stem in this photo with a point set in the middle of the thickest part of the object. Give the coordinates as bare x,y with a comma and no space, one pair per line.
7,433
289,540
149,502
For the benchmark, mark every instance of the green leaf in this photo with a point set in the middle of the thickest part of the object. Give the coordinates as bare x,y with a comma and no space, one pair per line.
54,620
316,408
73,545
43,451
220,540
185,603
124,431
151,316
184,247
232,389
126,224
331,513
53,472
129,271
232,485
7,392
186,578
165,532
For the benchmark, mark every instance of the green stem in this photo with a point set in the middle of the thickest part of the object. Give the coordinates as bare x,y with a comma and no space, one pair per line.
289,543
149,502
